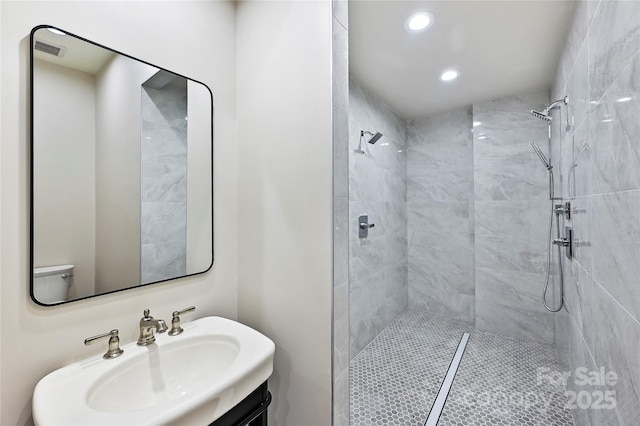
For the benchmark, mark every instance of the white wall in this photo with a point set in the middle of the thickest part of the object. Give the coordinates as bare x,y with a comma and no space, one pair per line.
1,78
118,123
64,172
200,44
284,193
198,178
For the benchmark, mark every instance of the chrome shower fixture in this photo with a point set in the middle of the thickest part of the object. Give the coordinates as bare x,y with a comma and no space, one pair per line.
544,115
541,116
541,155
374,136
559,102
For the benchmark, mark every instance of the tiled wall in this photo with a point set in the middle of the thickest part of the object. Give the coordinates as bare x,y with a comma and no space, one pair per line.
340,114
478,208
377,187
163,214
600,72
512,207
440,214
476,214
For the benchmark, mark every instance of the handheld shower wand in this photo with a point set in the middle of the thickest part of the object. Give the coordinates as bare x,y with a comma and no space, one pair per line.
541,155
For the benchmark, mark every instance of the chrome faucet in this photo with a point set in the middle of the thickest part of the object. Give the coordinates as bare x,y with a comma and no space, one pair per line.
175,321
147,326
114,343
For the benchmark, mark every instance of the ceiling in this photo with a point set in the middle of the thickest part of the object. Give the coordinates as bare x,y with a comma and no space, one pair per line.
78,54
500,48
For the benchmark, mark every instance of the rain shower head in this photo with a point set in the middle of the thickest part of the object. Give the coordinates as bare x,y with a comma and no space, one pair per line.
541,155
541,115
374,136
544,115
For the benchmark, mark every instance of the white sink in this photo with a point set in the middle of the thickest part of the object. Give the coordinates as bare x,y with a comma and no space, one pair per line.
194,377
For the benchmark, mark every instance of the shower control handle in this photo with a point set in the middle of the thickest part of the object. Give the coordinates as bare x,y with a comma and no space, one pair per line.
566,241
562,242
565,210
364,226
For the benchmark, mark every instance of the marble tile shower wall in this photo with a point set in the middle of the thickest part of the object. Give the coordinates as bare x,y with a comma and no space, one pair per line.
511,197
377,187
340,114
600,72
440,214
163,209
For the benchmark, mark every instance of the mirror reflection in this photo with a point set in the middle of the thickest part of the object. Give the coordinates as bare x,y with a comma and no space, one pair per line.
121,171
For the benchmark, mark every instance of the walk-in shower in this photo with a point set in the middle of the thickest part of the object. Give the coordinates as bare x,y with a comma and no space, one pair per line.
556,209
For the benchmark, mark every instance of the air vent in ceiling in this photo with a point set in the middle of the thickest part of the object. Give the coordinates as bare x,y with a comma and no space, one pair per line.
49,48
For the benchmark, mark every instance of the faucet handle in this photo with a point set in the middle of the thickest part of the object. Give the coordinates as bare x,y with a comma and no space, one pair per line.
114,343
175,321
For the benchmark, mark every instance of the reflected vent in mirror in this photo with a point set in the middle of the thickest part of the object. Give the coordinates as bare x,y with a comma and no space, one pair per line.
49,48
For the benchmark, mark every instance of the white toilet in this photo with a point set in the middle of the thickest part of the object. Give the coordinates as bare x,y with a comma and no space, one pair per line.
51,283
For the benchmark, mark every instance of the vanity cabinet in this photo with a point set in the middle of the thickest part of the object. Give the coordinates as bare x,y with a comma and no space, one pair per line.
250,411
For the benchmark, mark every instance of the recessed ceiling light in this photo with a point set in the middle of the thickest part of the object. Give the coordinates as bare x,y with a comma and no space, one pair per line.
449,75
476,123
56,31
419,21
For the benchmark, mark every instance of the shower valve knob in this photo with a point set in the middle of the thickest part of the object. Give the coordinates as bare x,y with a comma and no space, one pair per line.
364,226
562,242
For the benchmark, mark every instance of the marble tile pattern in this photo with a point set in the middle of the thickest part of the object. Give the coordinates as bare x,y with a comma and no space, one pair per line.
601,164
377,187
163,221
340,114
440,224
511,211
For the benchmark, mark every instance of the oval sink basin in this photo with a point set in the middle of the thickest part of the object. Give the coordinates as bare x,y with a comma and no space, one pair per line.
166,374
196,376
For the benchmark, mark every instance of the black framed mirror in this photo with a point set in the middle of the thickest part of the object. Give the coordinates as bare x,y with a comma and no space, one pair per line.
121,171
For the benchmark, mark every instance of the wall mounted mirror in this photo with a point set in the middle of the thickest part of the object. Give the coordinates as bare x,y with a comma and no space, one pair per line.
121,171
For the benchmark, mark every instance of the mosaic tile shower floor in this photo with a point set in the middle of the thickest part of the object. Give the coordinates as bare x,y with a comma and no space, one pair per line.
396,378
